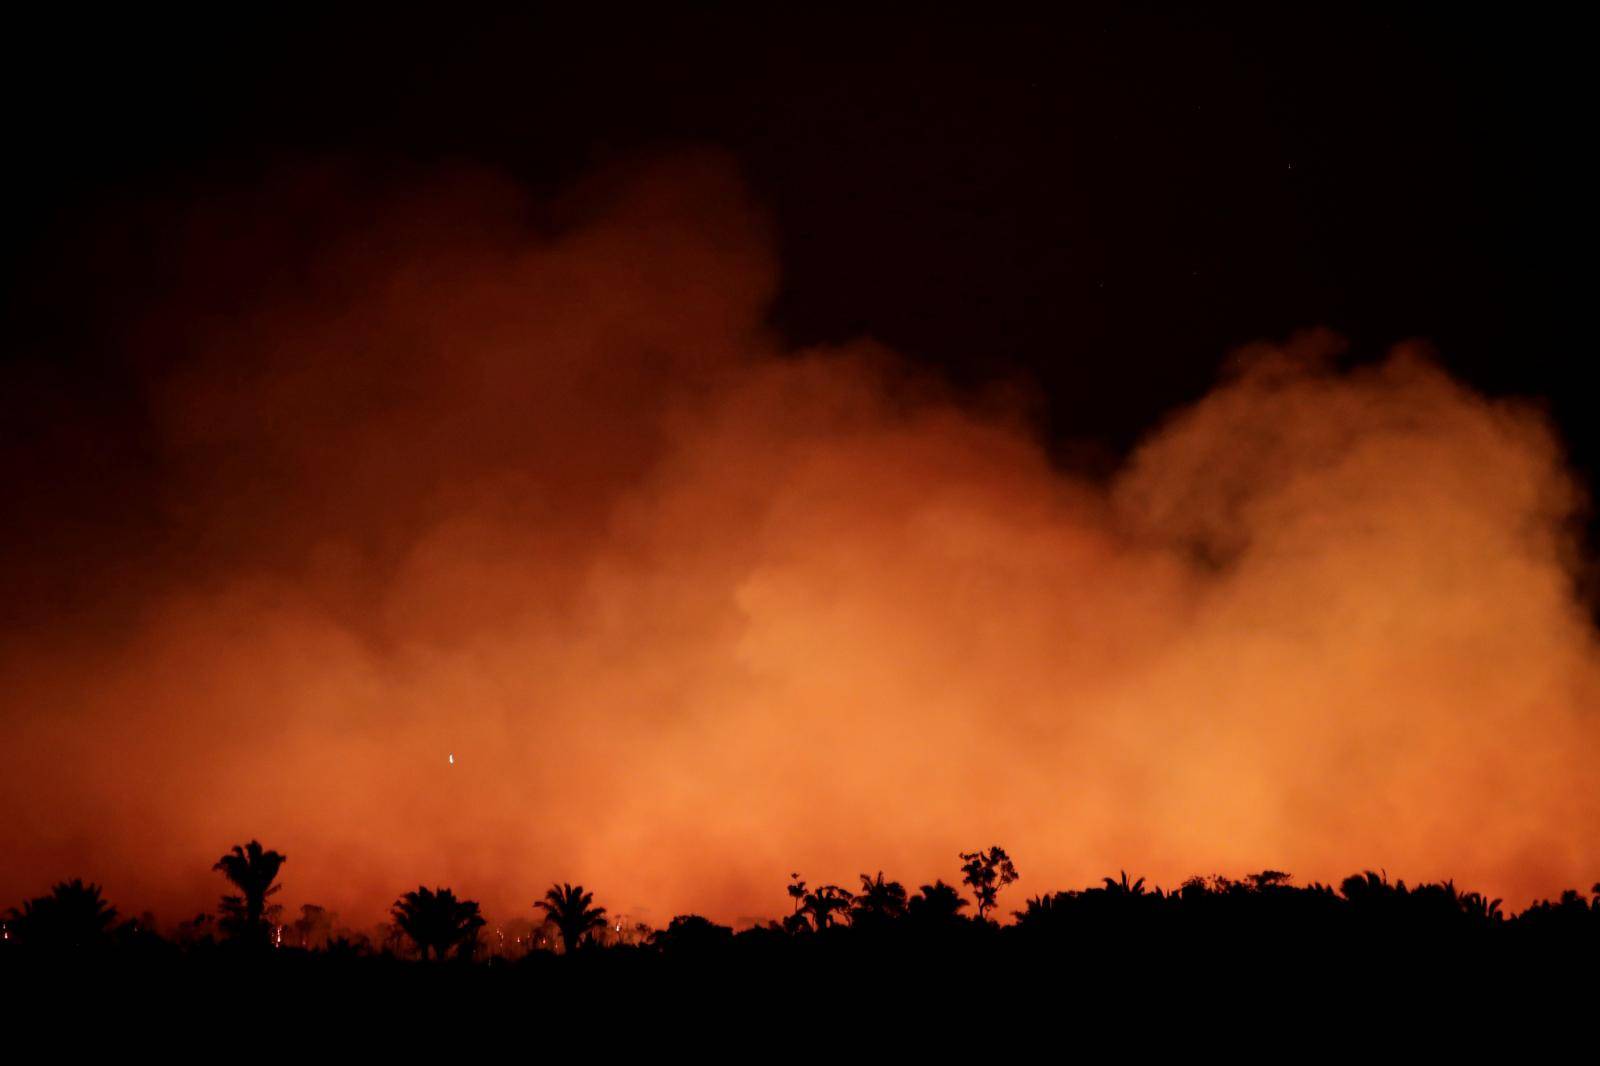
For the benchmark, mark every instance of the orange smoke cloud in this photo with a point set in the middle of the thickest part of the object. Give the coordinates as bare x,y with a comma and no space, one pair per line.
533,486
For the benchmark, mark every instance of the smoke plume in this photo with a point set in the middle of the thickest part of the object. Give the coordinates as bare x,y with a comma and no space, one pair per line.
442,471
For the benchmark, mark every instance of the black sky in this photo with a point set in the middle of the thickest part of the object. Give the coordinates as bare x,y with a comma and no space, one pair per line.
1105,202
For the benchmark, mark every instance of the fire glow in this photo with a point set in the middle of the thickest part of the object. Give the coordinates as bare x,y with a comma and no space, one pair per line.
697,611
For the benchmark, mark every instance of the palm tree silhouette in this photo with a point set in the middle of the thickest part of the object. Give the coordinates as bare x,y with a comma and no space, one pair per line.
437,920
1041,912
1369,888
797,891
822,904
1480,908
72,917
252,870
568,906
1123,888
879,900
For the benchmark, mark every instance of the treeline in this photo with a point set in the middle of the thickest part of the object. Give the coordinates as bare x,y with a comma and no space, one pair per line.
1263,913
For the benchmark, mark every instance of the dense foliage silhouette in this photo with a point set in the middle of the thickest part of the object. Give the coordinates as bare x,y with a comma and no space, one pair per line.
439,922
1369,937
73,916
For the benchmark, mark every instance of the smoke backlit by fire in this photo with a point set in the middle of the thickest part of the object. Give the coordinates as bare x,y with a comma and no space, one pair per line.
689,611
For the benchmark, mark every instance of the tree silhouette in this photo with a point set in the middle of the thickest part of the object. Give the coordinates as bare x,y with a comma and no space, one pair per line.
568,906
824,903
1480,908
878,901
1113,925
314,926
936,904
197,930
345,947
73,917
391,937
1368,887
1261,881
797,891
692,934
987,872
1041,913
252,871
437,920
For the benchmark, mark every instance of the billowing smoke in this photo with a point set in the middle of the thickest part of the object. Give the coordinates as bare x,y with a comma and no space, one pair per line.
458,474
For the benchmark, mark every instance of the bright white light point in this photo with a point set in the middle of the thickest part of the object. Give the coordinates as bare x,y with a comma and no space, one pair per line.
452,758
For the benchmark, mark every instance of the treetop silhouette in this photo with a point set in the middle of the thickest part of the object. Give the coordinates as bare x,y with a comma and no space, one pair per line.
568,908
879,901
437,921
73,917
252,870
1260,912
986,873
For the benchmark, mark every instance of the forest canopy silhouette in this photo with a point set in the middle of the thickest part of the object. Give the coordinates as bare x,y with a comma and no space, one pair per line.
1121,922
500,543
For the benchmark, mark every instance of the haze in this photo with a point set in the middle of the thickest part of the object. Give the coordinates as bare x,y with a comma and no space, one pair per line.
458,472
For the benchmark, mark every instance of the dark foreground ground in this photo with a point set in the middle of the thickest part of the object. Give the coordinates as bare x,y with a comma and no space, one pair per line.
1264,978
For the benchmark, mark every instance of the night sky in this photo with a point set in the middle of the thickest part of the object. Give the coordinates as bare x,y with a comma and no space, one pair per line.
1104,204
